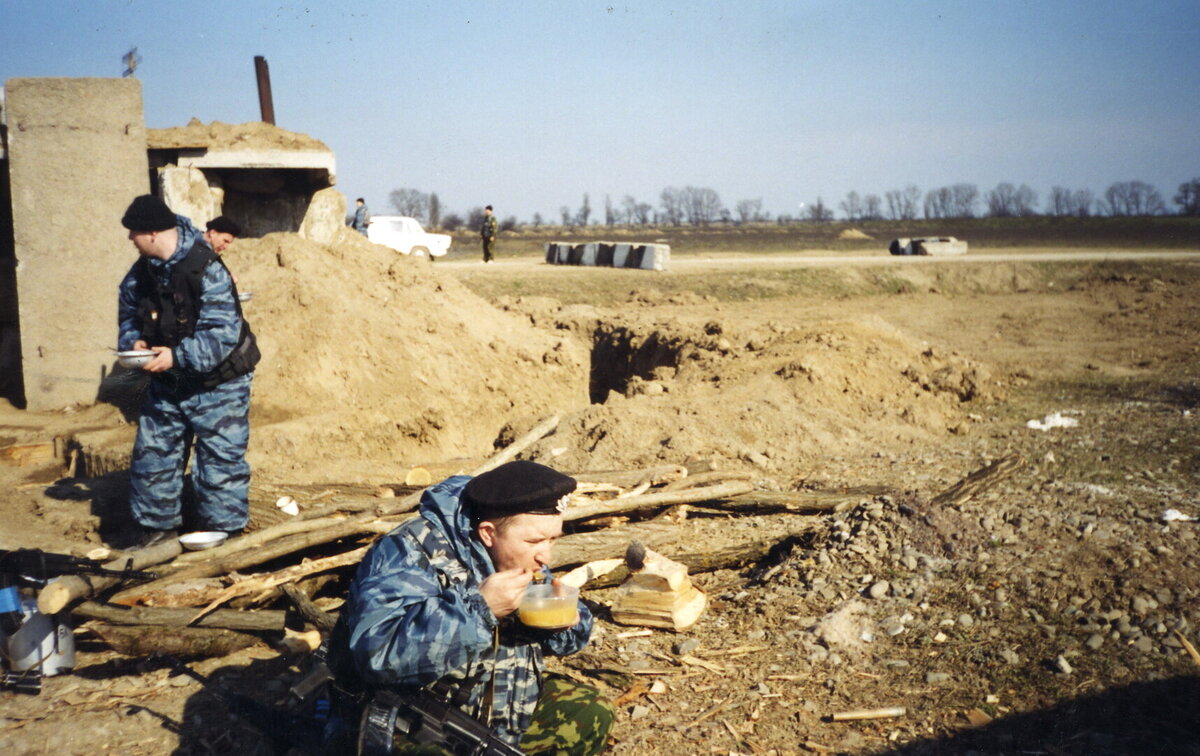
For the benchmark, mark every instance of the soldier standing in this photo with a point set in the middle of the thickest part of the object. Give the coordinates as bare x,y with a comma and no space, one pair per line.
362,217
488,231
179,301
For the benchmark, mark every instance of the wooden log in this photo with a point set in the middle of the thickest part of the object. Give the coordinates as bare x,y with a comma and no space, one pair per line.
659,593
323,621
707,478
261,620
979,481
510,452
62,591
542,429
657,500
182,641
242,559
657,474
578,548
771,502
264,582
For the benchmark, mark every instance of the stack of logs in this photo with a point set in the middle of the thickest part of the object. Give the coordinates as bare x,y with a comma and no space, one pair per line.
608,511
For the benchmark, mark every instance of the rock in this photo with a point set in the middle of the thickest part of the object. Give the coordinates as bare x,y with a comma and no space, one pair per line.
1010,657
879,589
1144,644
965,620
936,677
1062,665
639,711
685,646
1094,641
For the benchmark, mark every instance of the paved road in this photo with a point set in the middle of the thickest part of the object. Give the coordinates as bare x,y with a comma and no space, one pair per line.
684,263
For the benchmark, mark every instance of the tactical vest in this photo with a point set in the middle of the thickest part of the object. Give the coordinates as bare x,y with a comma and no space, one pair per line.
168,314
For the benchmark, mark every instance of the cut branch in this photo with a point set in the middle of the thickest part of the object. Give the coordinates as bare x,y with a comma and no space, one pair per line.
261,620
657,500
62,591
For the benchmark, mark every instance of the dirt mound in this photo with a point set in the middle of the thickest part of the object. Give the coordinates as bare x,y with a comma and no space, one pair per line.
774,398
854,234
373,361
224,136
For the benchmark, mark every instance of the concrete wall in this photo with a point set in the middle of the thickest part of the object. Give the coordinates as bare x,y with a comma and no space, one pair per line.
77,157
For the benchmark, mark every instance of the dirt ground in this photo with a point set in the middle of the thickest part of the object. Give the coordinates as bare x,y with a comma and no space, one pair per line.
1048,614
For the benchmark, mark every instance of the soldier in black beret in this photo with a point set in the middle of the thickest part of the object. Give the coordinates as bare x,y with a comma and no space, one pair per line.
435,604
220,233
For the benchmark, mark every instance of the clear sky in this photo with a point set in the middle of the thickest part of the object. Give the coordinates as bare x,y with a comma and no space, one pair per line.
528,105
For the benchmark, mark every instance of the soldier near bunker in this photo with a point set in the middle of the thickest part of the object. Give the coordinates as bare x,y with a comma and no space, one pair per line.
180,302
433,608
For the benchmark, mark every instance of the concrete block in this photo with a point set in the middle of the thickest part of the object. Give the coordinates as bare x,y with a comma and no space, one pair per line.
77,157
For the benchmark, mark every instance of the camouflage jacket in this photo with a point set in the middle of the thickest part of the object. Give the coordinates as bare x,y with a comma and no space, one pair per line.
219,327
487,229
414,615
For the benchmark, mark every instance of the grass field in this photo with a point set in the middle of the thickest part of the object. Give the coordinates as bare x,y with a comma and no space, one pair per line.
1165,232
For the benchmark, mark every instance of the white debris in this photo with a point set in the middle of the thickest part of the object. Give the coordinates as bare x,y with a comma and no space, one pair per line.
288,505
1174,515
1053,420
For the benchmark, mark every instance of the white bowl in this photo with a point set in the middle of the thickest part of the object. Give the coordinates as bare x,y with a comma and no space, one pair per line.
134,358
202,539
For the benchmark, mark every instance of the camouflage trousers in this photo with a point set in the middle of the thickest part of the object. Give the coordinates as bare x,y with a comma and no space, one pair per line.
570,720
215,424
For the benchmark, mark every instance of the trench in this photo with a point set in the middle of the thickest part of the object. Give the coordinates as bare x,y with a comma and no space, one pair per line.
620,355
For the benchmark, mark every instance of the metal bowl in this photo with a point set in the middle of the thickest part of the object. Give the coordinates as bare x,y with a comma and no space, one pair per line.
202,539
134,358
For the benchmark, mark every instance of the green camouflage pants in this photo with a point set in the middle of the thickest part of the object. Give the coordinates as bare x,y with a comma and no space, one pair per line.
570,720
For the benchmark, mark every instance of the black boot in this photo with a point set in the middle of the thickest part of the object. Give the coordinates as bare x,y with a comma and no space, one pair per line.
154,537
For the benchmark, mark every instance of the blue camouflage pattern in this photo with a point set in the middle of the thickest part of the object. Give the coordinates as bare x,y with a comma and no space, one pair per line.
177,413
414,615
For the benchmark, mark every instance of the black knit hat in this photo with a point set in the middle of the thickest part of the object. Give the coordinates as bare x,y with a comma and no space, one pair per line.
223,225
148,213
518,487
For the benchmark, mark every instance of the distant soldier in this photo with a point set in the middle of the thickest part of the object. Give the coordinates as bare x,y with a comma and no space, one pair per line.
221,233
488,232
362,218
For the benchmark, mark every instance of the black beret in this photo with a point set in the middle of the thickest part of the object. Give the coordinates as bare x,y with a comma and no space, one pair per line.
519,487
223,225
148,213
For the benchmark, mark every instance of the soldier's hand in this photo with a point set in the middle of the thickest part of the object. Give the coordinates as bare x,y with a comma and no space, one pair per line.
163,360
504,590
140,344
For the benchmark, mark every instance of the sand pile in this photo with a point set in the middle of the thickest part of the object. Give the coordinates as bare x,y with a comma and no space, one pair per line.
255,135
853,234
373,362
773,399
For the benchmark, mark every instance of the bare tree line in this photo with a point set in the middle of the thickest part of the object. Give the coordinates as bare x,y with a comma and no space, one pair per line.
702,206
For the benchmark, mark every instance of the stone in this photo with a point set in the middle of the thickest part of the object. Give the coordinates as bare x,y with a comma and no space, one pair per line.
936,677
879,589
1094,641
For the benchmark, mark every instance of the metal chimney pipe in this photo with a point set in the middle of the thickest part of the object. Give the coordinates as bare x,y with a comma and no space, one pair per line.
264,89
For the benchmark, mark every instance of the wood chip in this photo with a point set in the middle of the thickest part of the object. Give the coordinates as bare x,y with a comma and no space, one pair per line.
977,717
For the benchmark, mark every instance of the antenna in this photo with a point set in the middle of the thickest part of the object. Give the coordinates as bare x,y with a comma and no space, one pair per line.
131,60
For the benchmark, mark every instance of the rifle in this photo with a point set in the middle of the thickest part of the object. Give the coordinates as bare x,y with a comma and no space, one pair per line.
423,717
37,567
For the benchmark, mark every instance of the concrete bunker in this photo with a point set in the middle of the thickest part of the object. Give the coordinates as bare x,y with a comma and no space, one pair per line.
73,153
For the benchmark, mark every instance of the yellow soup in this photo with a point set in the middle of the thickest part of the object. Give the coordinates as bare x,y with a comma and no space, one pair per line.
548,613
